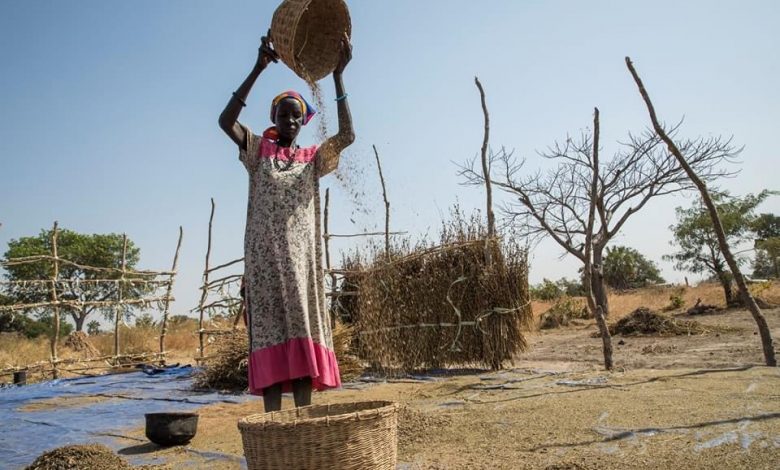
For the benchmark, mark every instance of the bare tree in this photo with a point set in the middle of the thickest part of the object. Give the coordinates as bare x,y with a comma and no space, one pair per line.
556,203
685,160
598,310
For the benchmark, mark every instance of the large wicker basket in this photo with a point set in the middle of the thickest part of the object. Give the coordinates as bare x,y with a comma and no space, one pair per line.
340,436
307,35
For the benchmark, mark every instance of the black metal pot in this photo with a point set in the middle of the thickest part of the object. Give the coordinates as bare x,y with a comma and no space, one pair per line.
171,429
20,377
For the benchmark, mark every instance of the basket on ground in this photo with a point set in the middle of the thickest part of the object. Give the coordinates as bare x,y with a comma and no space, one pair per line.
344,436
307,34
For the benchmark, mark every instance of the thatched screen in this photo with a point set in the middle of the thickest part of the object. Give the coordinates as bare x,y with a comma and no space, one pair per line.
432,307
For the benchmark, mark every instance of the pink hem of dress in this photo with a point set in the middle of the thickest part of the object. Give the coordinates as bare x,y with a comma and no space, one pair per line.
294,359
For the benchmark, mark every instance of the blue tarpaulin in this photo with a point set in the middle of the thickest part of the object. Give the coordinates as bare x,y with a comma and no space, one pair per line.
122,401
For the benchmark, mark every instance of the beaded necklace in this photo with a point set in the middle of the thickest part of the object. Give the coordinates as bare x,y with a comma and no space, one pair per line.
289,162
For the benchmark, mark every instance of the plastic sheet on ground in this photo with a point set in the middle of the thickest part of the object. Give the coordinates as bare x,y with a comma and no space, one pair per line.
116,404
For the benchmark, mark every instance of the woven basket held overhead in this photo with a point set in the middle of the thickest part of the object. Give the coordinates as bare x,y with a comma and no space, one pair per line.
347,436
307,35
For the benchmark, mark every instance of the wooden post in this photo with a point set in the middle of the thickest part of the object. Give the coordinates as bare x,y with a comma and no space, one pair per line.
491,219
171,277
205,292
239,314
326,239
55,275
387,205
120,288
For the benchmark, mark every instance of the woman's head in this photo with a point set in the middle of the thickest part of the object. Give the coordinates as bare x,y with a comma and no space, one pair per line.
288,118
290,112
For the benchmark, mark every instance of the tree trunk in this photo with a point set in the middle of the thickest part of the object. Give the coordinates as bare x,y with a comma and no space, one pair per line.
593,253
725,281
597,281
763,328
79,320
598,309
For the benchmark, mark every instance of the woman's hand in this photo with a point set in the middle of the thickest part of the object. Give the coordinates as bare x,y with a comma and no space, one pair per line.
228,120
328,155
345,55
266,54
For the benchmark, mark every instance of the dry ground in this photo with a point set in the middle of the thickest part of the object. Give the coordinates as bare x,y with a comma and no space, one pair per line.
672,402
535,418
675,402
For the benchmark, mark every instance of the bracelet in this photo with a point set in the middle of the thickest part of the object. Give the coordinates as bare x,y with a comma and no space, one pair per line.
342,97
239,99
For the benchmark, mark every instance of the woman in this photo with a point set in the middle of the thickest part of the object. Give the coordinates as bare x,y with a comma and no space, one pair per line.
291,347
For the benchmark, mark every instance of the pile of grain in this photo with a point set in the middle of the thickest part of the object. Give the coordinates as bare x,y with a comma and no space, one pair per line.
78,341
644,321
80,457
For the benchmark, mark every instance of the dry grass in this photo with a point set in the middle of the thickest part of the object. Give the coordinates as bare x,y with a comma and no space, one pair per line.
657,298
182,339
229,367
138,340
350,366
427,305
17,350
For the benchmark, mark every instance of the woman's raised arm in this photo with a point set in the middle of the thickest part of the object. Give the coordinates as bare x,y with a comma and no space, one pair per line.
330,151
228,120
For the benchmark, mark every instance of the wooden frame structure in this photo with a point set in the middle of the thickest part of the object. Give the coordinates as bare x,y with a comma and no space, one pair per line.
153,280
221,288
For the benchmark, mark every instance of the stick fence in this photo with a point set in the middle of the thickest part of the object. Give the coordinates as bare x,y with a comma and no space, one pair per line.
149,281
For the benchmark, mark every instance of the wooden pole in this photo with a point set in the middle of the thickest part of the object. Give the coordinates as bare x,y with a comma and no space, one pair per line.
205,292
119,307
747,298
55,274
326,238
239,314
164,326
387,205
491,219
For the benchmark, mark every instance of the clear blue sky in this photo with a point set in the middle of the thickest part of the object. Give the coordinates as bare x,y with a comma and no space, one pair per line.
108,109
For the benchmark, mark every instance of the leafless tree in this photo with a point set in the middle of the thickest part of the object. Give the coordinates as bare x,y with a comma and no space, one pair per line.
556,203
685,160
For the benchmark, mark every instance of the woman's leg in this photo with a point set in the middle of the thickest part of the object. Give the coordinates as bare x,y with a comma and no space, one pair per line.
302,391
272,398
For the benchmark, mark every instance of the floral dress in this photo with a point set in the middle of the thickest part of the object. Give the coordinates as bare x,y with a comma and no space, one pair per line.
289,330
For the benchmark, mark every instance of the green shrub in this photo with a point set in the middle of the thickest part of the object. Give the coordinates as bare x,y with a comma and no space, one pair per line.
562,312
676,300
547,290
17,323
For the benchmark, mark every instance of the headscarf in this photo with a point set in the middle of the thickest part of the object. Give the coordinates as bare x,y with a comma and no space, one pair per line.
308,111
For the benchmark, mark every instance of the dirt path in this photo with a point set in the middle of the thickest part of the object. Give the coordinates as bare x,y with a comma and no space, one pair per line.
678,402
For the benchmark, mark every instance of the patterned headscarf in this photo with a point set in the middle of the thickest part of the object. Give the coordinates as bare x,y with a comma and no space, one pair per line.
308,110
